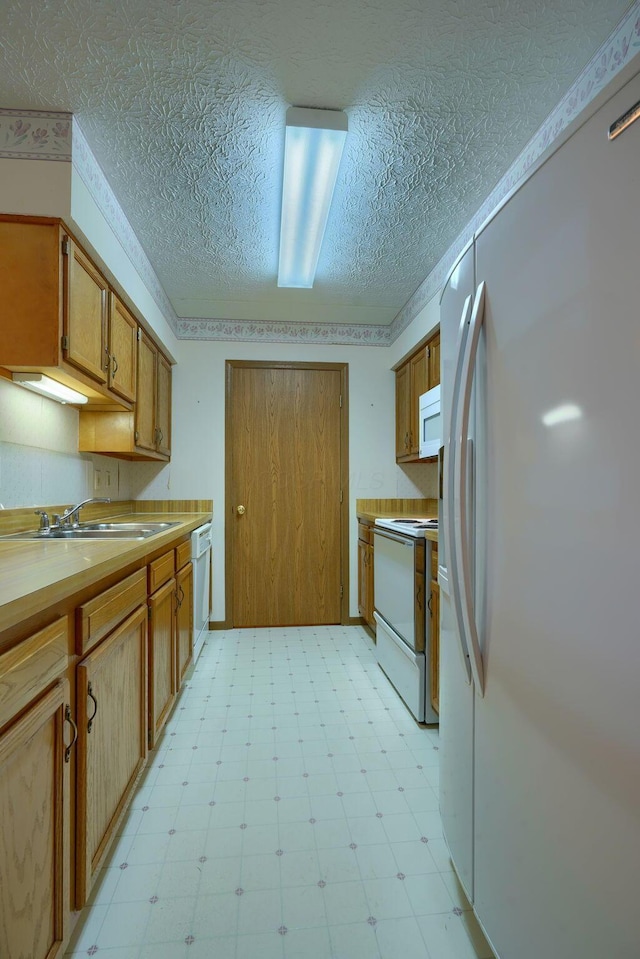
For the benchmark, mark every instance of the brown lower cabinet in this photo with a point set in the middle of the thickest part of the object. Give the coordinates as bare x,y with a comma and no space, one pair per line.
80,699
170,633
35,796
112,740
365,574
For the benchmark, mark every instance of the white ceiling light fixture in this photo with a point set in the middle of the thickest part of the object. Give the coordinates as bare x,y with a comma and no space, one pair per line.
45,386
314,141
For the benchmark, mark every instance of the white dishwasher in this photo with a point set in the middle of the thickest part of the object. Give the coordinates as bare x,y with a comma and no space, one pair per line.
201,559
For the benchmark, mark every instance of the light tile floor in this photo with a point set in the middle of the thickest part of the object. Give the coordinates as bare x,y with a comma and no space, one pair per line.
290,810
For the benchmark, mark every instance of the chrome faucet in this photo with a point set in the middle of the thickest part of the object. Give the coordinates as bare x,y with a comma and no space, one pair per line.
73,511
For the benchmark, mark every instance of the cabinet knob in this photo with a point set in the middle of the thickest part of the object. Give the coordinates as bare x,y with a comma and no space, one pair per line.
240,510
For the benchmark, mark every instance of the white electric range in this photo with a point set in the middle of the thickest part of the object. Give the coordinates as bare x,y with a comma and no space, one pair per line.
401,558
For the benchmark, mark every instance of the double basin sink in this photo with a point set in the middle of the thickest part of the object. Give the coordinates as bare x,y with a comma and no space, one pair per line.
99,531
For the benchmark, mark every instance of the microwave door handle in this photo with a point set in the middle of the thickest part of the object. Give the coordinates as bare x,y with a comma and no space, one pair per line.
462,539
450,470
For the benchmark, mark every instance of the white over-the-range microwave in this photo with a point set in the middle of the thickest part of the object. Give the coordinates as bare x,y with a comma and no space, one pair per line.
430,423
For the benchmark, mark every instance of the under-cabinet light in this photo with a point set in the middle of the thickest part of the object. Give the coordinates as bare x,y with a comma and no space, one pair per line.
45,386
314,140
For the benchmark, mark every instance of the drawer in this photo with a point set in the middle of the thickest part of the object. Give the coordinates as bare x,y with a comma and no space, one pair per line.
434,561
96,619
183,554
30,667
161,570
420,560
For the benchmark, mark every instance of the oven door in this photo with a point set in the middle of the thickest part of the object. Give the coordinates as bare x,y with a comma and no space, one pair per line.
394,590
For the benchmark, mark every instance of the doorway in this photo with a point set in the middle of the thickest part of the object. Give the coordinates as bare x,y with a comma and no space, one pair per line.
286,494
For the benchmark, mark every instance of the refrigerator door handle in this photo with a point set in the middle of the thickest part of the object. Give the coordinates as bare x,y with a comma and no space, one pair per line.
450,525
462,467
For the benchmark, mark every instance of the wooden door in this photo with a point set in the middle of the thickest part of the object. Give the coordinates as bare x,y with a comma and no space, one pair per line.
162,658
286,456
184,621
85,316
123,342
163,405
112,740
34,831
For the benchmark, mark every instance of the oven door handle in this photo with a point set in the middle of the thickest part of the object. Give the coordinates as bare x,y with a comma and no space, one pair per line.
396,537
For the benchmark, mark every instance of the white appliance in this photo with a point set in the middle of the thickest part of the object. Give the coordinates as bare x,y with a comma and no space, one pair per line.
430,423
539,635
201,559
403,633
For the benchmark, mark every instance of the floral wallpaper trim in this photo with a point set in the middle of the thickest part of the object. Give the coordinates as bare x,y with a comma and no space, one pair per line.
613,55
250,331
34,135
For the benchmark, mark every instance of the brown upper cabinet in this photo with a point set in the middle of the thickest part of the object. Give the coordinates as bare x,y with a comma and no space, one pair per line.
122,349
55,306
145,433
419,373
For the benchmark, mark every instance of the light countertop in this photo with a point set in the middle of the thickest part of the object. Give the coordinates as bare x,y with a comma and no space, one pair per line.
35,575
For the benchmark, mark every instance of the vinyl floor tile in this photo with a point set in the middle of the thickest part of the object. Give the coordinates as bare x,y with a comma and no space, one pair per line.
289,809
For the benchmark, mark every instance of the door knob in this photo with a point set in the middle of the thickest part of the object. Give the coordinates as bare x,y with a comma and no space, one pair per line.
240,510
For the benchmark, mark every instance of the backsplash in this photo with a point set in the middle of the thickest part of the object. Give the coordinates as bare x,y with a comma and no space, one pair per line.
39,459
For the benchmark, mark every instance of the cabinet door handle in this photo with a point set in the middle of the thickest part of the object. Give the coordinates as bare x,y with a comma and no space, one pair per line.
95,710
68,719
114,366
106,362
181,595
429,607
178,600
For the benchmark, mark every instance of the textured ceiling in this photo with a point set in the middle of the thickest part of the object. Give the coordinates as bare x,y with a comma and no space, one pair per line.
183,105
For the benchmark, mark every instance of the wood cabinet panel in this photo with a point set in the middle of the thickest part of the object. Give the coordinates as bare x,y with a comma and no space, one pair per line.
112,740
162,658
183,554
145,413
365,574
419,384
433,350
184,621
85,313
34,831
31,666
163,406
96,619
161,569
403,411
122,349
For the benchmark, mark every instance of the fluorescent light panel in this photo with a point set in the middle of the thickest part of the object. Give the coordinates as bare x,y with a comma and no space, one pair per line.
314,140
45,386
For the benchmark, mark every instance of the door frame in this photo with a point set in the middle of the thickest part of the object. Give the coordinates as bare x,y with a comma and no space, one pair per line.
343,369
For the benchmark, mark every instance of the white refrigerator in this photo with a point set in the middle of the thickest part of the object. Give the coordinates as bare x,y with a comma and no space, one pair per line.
540,571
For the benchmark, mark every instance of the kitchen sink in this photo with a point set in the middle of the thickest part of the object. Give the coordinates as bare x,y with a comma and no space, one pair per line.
99,531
